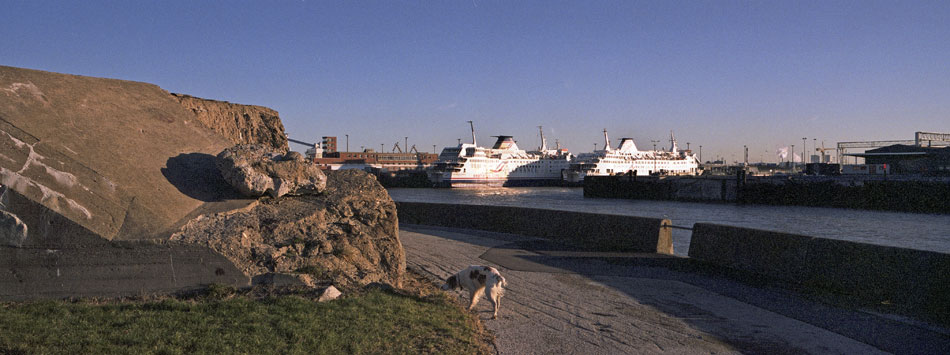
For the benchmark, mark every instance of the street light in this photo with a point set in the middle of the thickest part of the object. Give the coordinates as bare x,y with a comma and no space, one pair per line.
804,140
793,158
654,155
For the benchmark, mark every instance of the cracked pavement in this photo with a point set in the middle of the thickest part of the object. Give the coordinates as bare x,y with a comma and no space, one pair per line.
572,302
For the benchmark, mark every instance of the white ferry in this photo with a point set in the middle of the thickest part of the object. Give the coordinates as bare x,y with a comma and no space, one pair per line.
627,159
504,164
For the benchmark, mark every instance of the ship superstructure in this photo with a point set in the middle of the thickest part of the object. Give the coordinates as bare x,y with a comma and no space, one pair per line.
504,164
627,159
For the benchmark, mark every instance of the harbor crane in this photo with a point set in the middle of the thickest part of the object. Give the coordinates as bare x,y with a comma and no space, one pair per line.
822,151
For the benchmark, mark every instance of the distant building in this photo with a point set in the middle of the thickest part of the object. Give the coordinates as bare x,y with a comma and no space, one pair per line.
329,144
372,160
910,159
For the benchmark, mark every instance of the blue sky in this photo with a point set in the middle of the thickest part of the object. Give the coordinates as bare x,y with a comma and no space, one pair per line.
721,74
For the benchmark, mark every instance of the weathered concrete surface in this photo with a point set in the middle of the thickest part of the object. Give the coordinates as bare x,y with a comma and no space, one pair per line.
586,230
118,158
916,280
75,262
241,124
564,302
12,230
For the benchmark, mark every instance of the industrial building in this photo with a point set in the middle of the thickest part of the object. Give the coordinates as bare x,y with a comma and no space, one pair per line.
910,159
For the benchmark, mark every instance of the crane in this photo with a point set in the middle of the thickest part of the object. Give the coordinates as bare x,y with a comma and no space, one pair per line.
822,150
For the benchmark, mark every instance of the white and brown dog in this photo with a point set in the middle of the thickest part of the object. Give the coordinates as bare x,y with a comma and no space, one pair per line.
478,279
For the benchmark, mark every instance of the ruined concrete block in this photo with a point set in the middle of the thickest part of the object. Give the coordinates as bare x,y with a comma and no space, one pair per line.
256,170
13,231
329,294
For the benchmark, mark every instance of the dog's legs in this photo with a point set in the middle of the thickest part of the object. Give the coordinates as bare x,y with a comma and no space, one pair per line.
475,296
495,297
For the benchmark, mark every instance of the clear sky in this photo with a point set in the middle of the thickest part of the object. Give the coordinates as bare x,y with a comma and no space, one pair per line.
721,74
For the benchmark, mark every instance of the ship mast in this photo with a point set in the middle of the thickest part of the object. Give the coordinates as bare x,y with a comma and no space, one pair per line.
672,143
473,132
544,145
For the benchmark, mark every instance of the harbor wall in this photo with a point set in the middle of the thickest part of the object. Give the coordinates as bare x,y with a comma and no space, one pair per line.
111,270
61,259
881,275
859,192
587,230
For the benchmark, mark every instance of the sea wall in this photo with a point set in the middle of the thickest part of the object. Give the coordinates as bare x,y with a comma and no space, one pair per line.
908,278
586,230
860,192
241,124
706,189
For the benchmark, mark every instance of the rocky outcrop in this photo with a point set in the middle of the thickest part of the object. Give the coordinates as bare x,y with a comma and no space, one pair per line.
242,124
348,235
102,172
256,170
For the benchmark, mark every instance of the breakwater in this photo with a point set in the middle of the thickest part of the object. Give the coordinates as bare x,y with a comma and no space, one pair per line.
915,282
870,193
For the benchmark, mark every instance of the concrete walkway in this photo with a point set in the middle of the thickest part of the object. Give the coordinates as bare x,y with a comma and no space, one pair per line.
568,302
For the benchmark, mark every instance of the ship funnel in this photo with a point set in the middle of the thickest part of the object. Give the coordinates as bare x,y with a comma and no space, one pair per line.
505,143
606,141
627,145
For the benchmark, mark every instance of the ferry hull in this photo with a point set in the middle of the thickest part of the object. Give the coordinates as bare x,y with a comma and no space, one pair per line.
498,183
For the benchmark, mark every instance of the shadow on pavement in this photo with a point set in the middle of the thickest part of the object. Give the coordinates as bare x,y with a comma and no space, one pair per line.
888,333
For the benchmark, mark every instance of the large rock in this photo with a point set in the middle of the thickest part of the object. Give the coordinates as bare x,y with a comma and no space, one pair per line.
256,170
348,235
242,124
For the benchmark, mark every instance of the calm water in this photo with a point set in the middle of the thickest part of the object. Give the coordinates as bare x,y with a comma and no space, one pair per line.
908,230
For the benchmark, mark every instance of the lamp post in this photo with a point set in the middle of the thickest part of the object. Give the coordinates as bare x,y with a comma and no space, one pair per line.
793,158
804,151
814,145
654,154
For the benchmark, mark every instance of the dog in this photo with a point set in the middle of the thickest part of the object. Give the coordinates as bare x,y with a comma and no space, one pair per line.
478,279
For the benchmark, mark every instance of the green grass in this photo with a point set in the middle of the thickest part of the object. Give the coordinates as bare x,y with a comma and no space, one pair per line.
373,322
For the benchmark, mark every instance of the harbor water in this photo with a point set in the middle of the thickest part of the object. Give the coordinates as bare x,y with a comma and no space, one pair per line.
906,230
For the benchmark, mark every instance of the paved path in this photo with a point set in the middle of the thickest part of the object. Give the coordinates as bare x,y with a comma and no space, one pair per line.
559,301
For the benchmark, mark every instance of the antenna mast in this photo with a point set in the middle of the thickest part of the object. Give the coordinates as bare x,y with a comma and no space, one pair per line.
544,145
473,132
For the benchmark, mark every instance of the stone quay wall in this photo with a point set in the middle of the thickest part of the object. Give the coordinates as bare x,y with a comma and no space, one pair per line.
586,230
915,279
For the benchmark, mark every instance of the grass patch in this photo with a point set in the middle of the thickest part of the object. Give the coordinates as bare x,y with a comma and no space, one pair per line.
374,321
